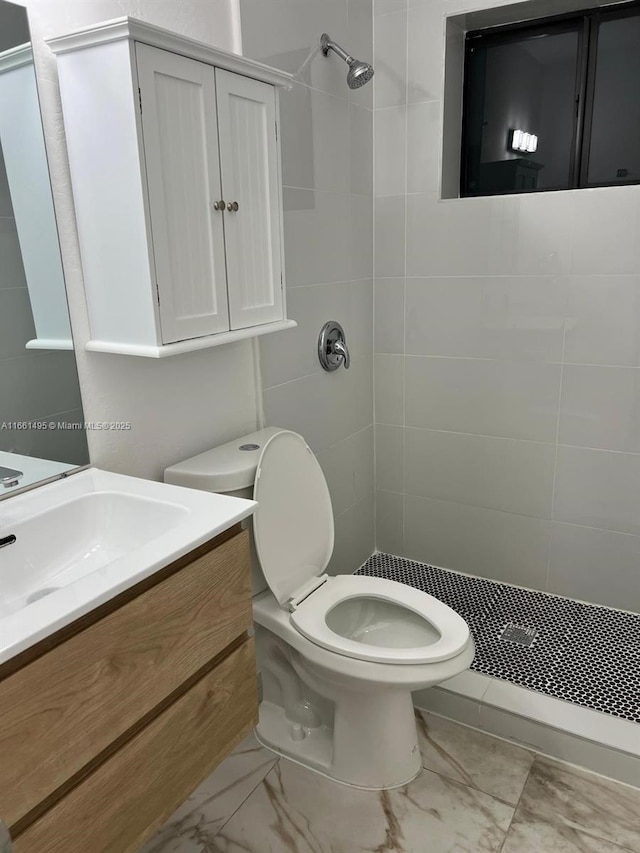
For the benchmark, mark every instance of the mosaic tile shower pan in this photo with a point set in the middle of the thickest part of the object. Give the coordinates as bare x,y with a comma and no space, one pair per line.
582,653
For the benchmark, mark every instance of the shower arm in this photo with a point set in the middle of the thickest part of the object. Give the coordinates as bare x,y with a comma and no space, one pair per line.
327,45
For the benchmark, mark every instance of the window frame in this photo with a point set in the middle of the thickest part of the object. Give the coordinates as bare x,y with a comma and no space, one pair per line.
587,24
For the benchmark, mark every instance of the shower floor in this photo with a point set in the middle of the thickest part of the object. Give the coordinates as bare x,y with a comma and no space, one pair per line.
582,653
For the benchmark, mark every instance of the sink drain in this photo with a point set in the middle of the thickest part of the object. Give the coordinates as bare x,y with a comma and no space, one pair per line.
41,593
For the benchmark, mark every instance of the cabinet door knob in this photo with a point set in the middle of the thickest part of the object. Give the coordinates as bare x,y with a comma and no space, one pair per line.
219,205
232,205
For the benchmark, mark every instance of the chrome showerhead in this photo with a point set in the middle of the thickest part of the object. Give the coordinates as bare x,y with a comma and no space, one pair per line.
359,72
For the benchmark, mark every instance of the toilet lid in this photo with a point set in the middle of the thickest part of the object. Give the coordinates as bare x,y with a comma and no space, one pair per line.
293,523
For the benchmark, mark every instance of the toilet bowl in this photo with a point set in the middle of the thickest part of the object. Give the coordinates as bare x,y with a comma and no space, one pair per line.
339,656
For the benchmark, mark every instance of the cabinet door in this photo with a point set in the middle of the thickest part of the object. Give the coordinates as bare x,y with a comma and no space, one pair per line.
250,176
178,103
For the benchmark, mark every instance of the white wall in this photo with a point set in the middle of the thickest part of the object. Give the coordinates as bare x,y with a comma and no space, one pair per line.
507,367
327,166
178,406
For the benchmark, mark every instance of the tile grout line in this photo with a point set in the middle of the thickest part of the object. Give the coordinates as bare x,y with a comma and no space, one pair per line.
374,371
557,444
250,794
404,283
517,806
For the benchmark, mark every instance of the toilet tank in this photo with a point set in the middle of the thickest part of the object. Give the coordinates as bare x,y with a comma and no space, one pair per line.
229,469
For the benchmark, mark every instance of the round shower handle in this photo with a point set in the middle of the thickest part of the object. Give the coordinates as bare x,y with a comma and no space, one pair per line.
219,205
232,206
332,347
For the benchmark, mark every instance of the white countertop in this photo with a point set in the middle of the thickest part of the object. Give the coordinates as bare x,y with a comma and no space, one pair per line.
89,537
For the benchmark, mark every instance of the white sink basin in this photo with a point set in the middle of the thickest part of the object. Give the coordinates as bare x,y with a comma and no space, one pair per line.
82,540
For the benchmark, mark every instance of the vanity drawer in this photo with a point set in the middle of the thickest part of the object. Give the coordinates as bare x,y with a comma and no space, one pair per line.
59,712
121,805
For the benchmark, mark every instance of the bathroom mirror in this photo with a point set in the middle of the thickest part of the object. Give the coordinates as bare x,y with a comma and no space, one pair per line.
41,420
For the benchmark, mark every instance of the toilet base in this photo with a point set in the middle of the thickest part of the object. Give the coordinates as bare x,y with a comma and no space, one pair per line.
353,752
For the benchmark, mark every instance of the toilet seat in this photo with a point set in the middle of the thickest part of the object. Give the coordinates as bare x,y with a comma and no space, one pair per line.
293,532
310,619
293,523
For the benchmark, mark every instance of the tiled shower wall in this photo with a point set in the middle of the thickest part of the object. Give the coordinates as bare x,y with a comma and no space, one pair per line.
327,138
507,353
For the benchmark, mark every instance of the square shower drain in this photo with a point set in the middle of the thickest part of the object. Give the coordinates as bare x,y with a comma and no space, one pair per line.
519,634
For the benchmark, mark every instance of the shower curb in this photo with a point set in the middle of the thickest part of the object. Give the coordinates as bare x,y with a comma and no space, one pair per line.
591,739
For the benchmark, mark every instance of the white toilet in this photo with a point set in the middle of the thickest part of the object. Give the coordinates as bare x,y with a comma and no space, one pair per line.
339,656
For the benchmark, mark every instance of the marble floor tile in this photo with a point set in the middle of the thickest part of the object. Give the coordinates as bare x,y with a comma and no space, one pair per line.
193,826
296,811
576,811
530,835
473,757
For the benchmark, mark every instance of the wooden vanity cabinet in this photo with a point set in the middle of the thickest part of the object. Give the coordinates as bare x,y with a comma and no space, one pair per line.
109,725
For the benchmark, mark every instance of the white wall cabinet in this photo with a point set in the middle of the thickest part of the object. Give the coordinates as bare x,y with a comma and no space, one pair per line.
175,166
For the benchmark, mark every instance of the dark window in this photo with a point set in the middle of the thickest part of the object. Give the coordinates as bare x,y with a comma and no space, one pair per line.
553,105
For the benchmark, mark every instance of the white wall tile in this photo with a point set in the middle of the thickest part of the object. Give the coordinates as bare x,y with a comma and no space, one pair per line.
315,140
423,147
337,463
452,238
317,229
390,236
598,488
479,541
354,538
390,149
361,149
595,565
389,522
389,388
360,17
294,353
363,463
526,281
386,7
389,458
503,317
389,315
502,474
600,407
348,468
358,324
286,34
426,37
324,407
483,397
361,236
545,230
603,320
359,392
390,59
606,225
